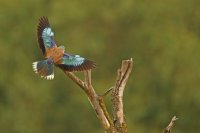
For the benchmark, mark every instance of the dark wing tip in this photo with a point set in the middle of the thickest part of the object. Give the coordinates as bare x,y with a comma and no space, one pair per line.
87,65
42,24
43,21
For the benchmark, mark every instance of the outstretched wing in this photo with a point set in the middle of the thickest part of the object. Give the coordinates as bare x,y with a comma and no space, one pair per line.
75,63
45,35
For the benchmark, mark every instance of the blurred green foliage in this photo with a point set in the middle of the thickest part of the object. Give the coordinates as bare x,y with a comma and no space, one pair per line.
163,37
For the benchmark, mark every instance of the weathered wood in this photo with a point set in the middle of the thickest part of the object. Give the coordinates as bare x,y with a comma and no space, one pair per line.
168,129
117,124
97,101
92,96
117,96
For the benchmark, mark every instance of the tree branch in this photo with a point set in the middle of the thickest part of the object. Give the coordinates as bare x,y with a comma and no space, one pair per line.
92,96
98,103
118,123
169,127
76,79
117,95
106,93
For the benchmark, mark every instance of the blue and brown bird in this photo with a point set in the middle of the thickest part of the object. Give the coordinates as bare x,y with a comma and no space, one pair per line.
56,55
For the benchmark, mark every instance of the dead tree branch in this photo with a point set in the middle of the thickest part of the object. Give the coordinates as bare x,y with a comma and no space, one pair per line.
106,93
98,103
92,96
117,124
117,95
171,124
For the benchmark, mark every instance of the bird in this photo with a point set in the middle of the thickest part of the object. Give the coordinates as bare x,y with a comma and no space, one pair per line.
56,55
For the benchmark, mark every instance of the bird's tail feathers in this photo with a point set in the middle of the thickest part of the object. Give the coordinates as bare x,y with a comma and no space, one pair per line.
44,68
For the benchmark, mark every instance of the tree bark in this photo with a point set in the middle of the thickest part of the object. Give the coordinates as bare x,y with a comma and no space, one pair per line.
116,124
117,96
168,129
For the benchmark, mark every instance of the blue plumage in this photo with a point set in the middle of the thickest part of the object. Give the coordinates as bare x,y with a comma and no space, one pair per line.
71,60
47,35
75,63
55,55
44,68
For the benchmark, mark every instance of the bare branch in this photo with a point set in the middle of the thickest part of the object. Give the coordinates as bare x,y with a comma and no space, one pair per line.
76,79
117,94
106,93
94,100
169,127
92,96
88,79
98,103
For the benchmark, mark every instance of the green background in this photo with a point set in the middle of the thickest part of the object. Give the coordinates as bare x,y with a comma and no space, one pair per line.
162,37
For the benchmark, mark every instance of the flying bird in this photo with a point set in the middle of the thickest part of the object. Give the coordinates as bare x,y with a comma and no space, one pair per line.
56,55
